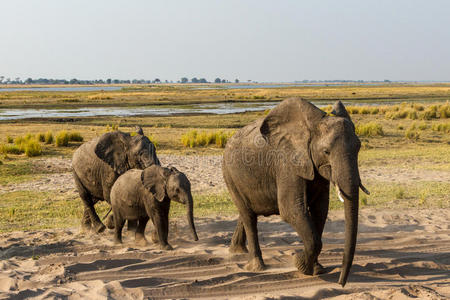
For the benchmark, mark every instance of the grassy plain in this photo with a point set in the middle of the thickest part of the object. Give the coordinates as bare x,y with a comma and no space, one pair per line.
188,94
427,149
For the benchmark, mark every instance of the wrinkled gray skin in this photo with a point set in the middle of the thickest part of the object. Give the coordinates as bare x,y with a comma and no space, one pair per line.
138,195
283,164
98,163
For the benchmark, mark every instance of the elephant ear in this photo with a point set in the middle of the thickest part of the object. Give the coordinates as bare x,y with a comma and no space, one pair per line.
154,179
138,130
340,111
288,128
112,148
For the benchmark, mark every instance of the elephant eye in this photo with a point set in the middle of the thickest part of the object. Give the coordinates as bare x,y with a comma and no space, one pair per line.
326,151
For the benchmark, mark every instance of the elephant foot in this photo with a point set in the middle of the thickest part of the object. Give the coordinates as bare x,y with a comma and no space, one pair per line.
154,237
99,228
237,249
302,266
165,247
117,241
255,265
140,240
110,222
86,227
318,269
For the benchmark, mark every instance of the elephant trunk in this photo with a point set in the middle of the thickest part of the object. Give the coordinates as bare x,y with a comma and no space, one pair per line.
190,216
348,183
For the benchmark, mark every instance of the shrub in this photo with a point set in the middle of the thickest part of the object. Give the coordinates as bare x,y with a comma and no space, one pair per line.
369,129
194,139
62,139
418,107
412,134
40,137
9,139
153,140
75,137
444,111
412,114
365,110
444,127
430,113
423,126
48,137
374,111
10,149
399,192
188,139
32,148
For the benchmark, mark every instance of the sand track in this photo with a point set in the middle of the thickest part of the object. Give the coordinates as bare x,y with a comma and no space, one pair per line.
402,255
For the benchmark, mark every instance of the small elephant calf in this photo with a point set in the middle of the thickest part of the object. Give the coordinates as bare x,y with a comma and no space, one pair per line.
143,194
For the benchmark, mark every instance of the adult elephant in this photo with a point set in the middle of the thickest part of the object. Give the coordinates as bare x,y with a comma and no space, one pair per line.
283,164
98,163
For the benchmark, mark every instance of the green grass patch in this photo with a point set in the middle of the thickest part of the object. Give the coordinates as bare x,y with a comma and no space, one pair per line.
16,171
30,210
393,195
206,205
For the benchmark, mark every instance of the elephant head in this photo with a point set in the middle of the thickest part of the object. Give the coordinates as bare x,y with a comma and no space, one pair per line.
123,152
170,183
318,144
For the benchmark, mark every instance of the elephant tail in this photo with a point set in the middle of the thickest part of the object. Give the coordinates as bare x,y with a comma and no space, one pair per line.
107,213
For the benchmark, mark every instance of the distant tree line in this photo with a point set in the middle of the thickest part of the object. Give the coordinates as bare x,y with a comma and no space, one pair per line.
17,80
4,80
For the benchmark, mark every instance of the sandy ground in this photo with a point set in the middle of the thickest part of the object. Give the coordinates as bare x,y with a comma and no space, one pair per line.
400,254
205,174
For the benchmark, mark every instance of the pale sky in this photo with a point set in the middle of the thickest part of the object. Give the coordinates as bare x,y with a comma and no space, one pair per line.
265,41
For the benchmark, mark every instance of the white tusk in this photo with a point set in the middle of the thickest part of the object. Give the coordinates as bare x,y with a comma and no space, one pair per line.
339,194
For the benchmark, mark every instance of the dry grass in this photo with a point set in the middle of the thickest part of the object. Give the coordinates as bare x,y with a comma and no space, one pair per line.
201,139
185,94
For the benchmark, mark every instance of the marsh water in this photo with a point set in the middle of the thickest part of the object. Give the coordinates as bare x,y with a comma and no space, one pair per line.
154,110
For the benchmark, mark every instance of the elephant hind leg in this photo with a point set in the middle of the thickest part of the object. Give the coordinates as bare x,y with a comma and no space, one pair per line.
140,229
88,202
249,220
238,239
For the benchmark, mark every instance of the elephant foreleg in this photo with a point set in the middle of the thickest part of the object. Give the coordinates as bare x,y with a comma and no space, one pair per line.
161,222
238,239
319,199
293,206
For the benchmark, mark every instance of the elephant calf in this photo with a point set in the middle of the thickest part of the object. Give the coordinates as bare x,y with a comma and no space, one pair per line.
143,194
